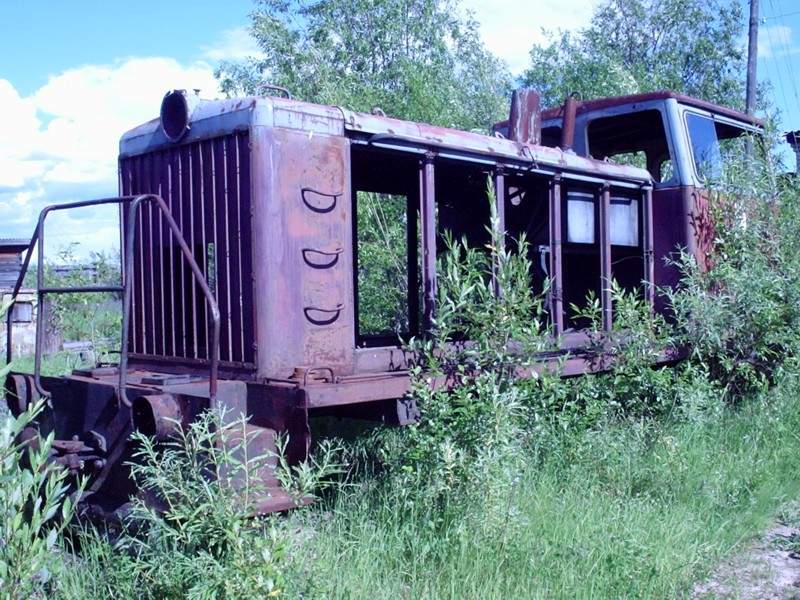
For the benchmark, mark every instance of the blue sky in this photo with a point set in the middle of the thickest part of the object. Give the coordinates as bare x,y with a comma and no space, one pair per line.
42,39
74,75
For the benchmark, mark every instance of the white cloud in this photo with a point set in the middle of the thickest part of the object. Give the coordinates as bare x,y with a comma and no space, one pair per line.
233,44
511,27
61,142
776,41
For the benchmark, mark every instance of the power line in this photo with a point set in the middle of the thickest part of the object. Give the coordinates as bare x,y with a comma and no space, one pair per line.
789,14
778,78
784,31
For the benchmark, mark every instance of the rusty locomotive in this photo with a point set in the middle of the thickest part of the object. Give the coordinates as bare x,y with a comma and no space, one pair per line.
242,256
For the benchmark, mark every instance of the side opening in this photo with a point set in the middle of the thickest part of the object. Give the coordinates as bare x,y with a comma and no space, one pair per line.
387,249
627,242
580,251
527,212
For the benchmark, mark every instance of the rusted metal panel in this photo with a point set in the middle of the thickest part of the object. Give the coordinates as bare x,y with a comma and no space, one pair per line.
208,194
303,203
525,120
385,131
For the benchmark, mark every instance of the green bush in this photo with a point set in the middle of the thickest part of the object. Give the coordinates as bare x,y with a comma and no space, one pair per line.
34,506
740,320
34,510
192,532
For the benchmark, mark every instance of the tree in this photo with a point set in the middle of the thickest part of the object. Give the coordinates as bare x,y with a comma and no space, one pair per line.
630,46
421,60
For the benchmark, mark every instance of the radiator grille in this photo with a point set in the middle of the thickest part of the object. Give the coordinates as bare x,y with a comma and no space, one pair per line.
206,185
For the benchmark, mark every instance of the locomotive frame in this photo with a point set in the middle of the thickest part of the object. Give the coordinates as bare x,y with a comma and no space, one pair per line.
241,258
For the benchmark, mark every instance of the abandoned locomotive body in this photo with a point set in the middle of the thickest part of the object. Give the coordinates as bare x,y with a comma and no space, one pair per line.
245,265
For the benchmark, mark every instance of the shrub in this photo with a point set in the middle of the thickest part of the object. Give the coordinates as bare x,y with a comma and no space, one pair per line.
741,318
193,533
34,506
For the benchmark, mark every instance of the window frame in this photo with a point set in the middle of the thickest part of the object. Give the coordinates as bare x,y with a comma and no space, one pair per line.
686,111
669,132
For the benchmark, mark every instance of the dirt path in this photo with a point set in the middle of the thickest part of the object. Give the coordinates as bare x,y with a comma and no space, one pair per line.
770,570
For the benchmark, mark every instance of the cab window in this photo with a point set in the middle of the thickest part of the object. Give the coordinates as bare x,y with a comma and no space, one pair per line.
713,144
637,139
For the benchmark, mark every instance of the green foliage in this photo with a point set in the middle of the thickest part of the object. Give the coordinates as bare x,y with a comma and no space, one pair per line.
34,509
638,340
382,270
192,532
416,59
634,509
470,433
94,317
741,318
631,46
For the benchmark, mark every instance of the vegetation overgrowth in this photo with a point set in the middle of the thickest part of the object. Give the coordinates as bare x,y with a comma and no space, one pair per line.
629,483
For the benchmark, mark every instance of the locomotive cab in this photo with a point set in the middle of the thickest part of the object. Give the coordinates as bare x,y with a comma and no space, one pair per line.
683,142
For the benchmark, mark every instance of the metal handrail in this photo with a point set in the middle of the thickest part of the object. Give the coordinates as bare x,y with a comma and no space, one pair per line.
199,278
125,288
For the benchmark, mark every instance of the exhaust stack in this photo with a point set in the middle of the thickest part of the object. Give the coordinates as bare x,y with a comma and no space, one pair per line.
525,119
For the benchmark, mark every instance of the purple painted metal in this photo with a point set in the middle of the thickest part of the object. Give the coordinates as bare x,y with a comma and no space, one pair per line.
605,256
556,271
585,106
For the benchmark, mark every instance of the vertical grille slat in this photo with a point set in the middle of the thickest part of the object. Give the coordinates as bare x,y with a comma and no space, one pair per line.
145,248
170,323
222,248
234,263
184,207
197,244
206,186
158,267
245,233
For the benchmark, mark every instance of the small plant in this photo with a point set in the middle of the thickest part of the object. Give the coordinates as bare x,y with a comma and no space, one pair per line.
194,531
34,509
34,506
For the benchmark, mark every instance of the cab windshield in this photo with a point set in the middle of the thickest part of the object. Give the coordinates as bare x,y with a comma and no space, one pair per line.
714,144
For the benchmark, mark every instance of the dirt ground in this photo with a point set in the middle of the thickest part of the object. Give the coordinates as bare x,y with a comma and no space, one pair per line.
768,570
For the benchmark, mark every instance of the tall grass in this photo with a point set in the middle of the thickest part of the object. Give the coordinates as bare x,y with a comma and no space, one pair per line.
628,484
635,509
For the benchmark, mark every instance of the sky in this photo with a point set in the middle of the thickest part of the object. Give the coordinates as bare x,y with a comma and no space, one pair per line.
76,74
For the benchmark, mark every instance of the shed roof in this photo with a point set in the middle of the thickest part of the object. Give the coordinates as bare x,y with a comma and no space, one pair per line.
13,245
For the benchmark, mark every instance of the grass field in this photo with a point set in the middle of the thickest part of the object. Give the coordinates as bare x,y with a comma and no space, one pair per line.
637,510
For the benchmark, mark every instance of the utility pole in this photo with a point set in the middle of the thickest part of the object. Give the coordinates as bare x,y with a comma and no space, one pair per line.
752,56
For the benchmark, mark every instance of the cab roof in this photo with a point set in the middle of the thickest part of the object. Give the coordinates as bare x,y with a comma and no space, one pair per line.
586,106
